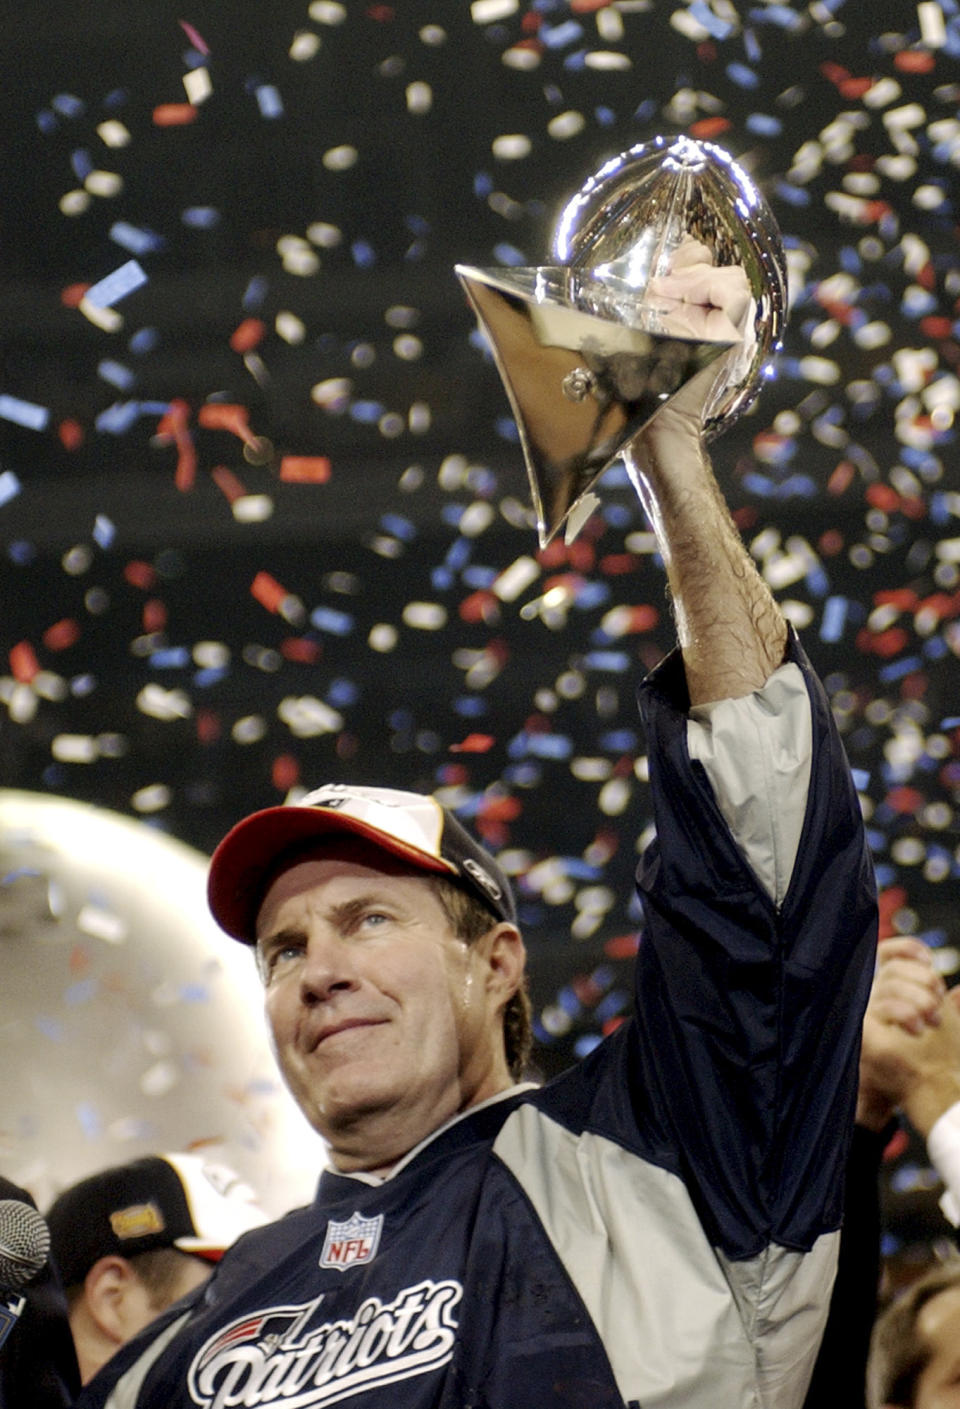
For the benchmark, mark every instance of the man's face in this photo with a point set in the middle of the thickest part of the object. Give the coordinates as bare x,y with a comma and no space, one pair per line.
938,1327
385,1024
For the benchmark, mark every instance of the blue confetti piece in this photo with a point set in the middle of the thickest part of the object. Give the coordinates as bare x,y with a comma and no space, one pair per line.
764,125
255,293
170,658
335,622
210,675
716,27
780,15
68,105
104,531
21,552
135,238
9,486
619,740
200,217
549,745
81,163
482,184
24,413
936,648
575,63
88,1118
118,418
614,661
399,526
46,121
81,992
742,76
471,706
363,253
144,340
604,117
793,195
479,578
194,993
116,374
269,101
342,693
509,254
506,427
585,1044
569,1002
560,35
834,618
49,1027
897,669
441,579
123,281
458,554
366,412
752,47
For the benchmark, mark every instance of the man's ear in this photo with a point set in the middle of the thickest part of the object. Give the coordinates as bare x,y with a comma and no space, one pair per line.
109,1287
507,959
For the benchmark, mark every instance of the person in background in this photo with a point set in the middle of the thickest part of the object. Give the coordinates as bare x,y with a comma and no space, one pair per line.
915,1351
131,1240
38,1364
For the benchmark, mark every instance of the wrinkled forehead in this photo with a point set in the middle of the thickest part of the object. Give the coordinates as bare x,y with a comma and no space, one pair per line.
340,847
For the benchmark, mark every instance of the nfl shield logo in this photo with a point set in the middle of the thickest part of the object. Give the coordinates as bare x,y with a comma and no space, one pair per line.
350,1243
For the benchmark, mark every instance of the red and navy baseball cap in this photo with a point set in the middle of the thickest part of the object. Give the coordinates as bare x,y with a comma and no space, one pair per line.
412,826
178,1201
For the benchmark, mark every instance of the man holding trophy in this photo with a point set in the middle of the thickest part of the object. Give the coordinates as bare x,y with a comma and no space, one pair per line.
658,1226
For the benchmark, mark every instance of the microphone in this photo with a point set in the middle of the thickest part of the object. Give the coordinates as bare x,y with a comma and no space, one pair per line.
24,1244
24,1249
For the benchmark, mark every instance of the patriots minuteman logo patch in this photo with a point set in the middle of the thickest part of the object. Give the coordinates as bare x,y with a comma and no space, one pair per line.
350,1243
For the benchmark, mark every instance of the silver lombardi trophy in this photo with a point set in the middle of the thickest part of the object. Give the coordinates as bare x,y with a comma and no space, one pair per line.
591,346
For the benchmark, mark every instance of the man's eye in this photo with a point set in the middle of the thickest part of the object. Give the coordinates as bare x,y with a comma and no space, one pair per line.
280,957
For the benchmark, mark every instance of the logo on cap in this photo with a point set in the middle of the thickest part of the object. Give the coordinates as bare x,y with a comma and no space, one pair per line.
137,1221
348,1244
483,877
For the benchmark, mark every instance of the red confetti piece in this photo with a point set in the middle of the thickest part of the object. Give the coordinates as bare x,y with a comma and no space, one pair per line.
71,433
174,114
228,483
24,665
301,649
226,416
841,478
709,127
903,598
904,800
207,725
61,635
248,335
616,564
588,7
154,615
305,469
268,591
914,61
174,420
882,643
285,772
888,903
854,88
479,606
140,574
612,1024
622,946
831,543
73,295
185,474
897,1145
79,961
196,39
499,809
474,743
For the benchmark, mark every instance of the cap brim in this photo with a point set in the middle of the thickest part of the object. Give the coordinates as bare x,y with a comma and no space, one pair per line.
249,852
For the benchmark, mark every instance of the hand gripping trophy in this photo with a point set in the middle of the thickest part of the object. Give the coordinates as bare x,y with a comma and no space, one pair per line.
668,261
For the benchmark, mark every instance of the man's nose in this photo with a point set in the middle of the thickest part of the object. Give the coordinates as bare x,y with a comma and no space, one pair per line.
328,967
